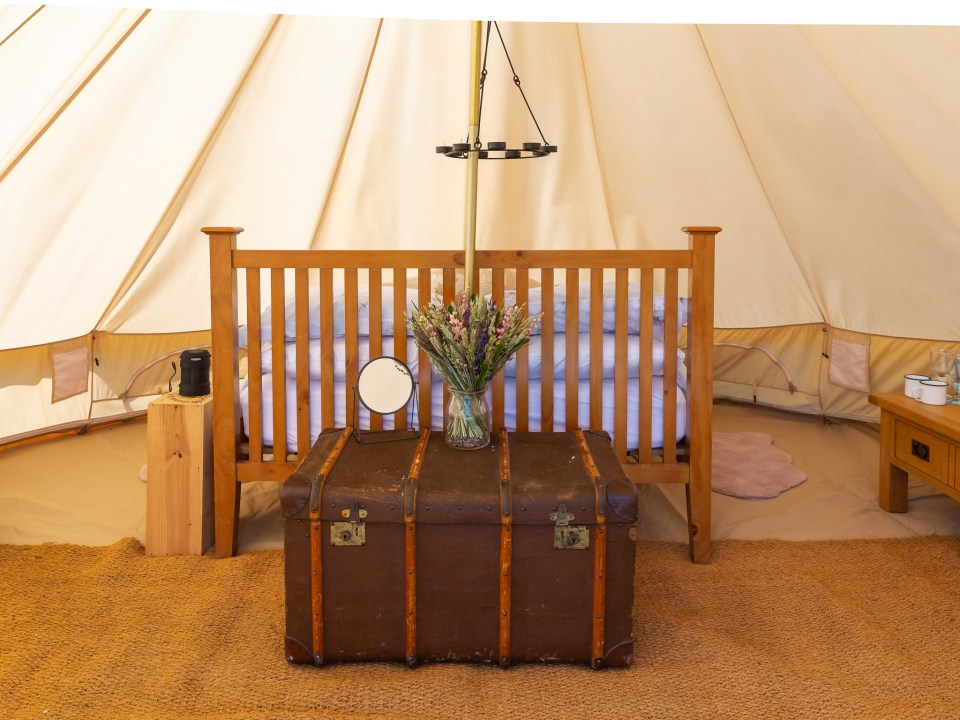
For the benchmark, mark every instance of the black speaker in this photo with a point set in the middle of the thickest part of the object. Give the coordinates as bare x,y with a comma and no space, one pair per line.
194,373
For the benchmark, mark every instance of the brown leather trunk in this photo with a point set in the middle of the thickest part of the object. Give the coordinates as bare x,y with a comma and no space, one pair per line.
522,551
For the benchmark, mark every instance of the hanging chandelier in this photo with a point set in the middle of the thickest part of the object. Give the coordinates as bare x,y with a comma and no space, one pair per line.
497,149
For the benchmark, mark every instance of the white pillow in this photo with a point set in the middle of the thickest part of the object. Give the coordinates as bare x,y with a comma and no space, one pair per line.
533,307
534,363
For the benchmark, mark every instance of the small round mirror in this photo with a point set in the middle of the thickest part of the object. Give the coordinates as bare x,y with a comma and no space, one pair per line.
385,385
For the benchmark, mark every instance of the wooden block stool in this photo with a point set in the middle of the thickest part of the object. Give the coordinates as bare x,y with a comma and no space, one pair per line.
179,475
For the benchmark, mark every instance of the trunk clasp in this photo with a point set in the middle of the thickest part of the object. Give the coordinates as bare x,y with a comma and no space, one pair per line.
353,530
565,535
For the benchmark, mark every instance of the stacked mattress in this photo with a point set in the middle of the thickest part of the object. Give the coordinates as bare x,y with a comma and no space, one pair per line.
583,360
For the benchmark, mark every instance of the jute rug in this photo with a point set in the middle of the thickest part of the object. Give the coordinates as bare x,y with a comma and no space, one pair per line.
747,465
852,629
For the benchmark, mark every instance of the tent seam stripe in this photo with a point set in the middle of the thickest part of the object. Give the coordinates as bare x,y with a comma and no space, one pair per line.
773,210
171,211
331,186
596,144
20,26
901,160
756,172
73,96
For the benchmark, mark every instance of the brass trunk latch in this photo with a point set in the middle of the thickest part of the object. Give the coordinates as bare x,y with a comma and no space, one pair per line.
351,532
565,535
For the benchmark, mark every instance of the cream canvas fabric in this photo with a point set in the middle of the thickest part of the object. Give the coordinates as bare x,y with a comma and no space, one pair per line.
828,154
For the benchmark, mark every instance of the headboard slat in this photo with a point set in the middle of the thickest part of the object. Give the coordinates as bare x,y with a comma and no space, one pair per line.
571,363
423,363
254,367
326,347
620,366
301,309
399,331
596,349
644,442
278,299
523,354
449,290
350,335
671,295
546,350
375,294
498,381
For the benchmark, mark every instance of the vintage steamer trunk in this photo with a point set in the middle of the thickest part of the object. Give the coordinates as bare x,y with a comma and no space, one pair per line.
520,552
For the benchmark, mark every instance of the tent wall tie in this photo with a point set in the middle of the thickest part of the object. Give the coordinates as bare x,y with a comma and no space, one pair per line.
791,386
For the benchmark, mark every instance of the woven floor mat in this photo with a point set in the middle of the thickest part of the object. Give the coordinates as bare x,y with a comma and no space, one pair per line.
844,629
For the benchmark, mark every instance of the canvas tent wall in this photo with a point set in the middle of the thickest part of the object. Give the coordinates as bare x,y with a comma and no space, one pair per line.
828,155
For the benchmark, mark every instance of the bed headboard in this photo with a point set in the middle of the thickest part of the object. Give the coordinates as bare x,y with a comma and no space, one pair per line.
231,267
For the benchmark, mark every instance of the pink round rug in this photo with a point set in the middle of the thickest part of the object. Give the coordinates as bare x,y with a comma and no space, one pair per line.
746,465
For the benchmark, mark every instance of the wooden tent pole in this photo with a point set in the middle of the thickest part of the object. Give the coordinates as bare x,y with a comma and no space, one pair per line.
470,224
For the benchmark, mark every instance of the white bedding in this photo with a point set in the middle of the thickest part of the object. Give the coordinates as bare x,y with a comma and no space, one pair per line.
583,398
535,364
533,360
533,307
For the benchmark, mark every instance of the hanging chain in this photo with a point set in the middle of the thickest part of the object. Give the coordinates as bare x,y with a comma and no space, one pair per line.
516,79
483,76
463,150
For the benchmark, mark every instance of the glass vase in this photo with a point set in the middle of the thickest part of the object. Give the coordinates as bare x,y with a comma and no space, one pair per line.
468,420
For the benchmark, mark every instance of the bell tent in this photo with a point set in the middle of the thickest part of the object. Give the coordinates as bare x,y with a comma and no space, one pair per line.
827,154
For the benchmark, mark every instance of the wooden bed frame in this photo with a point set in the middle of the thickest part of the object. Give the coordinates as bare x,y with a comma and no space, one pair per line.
236,461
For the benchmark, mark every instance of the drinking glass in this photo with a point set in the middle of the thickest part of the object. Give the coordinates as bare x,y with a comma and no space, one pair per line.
941,361
953,375
943,364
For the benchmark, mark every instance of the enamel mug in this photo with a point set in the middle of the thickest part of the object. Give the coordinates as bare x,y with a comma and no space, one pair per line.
910,382
931,392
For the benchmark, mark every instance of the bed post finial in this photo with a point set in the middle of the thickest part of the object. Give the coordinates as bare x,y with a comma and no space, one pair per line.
702,243
225,362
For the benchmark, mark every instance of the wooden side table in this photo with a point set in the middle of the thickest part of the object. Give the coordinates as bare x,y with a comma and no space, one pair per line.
179,475
916,439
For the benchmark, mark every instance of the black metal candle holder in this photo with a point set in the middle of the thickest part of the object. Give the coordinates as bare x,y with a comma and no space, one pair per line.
498,150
